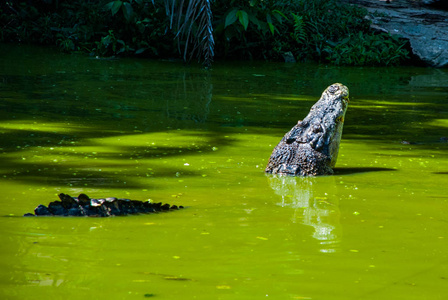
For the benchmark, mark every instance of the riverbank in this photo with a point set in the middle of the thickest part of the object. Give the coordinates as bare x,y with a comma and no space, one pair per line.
425,27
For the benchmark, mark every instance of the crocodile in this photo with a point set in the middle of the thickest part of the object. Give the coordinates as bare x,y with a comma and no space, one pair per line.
311,147
103,207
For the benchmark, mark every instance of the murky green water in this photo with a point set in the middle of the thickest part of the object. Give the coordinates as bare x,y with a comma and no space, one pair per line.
140,129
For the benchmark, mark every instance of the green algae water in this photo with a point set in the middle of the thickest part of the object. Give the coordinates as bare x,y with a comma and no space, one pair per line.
139,129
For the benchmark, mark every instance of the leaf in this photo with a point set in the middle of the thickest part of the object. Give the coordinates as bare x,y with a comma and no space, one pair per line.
344,41
128,11
279,15
192,23
106,40
253,3
271,26
114,6
231,17
243,18
109,5
333,44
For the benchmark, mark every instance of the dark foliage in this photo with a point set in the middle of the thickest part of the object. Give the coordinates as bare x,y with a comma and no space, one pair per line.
192,21
310,30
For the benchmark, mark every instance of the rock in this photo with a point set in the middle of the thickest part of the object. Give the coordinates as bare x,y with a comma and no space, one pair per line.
56,208
442,4
75,212
289,57
42,210
426,28
103,207
96,202
67,201
83,199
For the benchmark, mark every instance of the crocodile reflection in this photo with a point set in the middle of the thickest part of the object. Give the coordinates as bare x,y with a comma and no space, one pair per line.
311,207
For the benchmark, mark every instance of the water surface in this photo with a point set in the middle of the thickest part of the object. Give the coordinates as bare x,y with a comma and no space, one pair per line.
143,129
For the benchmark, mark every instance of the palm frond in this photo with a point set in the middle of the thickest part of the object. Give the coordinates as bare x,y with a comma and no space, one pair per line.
192,22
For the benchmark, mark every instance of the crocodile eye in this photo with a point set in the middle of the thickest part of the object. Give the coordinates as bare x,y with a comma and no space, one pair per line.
290,141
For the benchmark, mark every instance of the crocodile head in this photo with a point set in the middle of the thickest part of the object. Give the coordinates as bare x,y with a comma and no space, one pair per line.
311,147
329,114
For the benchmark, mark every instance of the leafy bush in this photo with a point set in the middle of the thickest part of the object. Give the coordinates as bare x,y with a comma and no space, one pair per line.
330,31
90,26
312,30
246,28
136,27
367,49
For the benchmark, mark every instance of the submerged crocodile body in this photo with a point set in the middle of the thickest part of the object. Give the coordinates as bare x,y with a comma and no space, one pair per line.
311,147
105,207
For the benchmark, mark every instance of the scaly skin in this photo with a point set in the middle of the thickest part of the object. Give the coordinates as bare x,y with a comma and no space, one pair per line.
311,147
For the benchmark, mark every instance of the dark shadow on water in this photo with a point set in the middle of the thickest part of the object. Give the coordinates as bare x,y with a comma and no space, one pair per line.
350,171
113,170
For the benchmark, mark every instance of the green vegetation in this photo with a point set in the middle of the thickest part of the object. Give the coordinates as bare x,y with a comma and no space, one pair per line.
327,31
